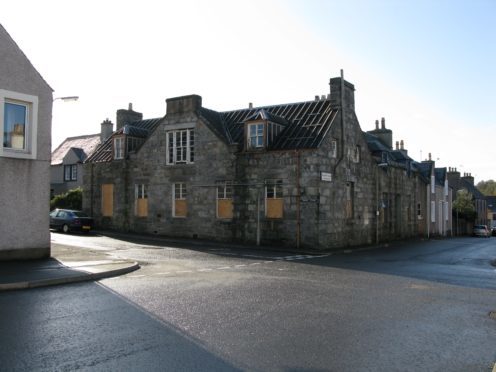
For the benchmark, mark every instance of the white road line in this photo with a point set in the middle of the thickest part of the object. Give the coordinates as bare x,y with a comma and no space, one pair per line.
258,263
268,261
136,276
240,266
204,270
224,268
164,273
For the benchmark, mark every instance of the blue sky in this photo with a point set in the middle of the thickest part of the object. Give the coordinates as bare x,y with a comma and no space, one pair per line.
426,66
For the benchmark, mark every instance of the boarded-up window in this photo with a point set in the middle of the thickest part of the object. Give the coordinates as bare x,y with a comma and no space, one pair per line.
350,195
141,197
274,202
107,200
180,206
225,200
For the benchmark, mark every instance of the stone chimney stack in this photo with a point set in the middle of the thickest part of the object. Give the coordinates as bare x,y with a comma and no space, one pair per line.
468,177
184,104
107,127
397,145
384,135
124,117
349,93
453,176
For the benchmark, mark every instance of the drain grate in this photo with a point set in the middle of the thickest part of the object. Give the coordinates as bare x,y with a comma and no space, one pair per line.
492,315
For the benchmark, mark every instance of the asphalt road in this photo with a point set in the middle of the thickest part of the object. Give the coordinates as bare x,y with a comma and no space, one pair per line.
420,306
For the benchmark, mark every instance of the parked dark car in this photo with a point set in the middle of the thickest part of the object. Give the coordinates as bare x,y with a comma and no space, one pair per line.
493,231
67,220
481,230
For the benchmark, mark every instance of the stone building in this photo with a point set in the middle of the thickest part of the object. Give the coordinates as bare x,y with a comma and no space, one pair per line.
25,119
298,174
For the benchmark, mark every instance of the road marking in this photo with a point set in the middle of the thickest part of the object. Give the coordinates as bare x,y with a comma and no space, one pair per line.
240,266
268,261
136,276
255,263
204,270
224,268
164,273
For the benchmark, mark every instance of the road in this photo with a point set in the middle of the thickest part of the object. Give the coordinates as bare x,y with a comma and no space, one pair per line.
410,307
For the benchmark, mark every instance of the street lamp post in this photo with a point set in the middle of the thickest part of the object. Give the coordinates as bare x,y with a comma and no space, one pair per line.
66,98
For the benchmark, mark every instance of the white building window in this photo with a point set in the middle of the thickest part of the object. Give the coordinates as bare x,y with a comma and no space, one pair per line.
181,146
70,172
18,119
119,147
255,138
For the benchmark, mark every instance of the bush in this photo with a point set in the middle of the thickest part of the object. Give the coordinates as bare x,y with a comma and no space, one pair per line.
73,199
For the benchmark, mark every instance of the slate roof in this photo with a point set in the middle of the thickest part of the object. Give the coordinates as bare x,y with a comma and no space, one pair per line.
140,129
83,146
306,123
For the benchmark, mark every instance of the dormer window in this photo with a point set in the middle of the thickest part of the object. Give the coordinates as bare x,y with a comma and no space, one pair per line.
255,135
119,148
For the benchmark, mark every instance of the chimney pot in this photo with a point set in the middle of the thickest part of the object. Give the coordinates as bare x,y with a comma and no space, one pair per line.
430,157
130,106
383,123
402,145
250,105
316,98
377,125
323,97
397,145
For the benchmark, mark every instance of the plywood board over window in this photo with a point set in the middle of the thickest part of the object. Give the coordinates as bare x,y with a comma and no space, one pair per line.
275,208
107,200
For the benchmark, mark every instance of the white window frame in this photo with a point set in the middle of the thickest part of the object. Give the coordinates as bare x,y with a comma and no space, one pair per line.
119,147
30,128
257,135
70,172
225,191
172,155
140,191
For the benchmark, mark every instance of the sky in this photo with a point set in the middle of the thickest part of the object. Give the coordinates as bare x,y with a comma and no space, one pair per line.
427,67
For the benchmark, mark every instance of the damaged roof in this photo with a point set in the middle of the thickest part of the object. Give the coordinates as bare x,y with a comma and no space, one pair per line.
305,123
137,129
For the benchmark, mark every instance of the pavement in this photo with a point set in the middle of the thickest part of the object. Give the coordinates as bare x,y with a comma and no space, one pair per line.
67,264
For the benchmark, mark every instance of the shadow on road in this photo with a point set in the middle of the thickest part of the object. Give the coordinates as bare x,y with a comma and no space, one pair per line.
87,326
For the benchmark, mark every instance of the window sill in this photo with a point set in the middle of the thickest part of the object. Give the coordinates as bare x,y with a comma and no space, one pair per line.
16,154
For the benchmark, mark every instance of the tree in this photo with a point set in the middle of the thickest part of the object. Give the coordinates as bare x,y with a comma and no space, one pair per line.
488,188
464,205
73,199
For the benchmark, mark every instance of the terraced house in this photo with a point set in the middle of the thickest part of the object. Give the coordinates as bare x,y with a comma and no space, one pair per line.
300,174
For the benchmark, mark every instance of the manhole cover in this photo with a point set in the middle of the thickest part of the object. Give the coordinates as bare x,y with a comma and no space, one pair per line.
492,314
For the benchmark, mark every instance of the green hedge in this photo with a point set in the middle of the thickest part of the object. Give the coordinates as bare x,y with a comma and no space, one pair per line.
72,199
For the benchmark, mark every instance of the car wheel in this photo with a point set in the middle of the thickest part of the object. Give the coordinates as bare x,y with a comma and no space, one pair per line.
65,229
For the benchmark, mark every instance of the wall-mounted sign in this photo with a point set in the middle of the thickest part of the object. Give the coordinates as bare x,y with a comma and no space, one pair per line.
324,176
